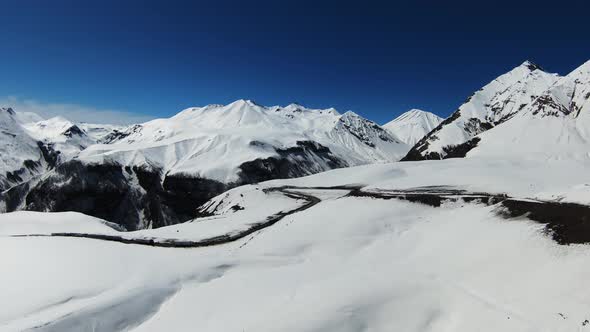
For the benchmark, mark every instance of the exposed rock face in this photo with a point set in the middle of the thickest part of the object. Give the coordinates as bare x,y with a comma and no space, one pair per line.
494,104
141,197
157,173
525,122
132,197
21,157
304,159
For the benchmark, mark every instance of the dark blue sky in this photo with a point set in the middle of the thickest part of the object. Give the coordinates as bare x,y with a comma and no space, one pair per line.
375,58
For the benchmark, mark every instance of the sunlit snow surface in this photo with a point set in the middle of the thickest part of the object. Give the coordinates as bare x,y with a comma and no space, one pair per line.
345,264
213,141
412,125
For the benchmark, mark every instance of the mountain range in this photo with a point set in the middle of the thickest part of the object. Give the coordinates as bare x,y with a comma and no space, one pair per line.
158,173
244,217
527,109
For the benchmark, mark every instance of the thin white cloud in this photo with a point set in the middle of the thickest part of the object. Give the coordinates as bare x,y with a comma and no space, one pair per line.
73,112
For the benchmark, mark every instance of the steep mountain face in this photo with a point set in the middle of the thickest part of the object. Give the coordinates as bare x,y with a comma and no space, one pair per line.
213,141
495,103
31,148
21,156
556,125
158,173
412,125
61,134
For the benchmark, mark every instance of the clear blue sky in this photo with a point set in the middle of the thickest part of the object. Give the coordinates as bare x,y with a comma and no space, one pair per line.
375,58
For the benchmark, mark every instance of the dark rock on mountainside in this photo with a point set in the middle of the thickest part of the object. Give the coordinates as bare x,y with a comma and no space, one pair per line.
98,190
73,131
141,197
416,153
47,159
116,135
460,150
111,192
48,152
450,151
303,159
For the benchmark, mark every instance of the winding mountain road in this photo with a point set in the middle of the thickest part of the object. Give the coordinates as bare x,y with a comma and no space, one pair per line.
213,241
567,223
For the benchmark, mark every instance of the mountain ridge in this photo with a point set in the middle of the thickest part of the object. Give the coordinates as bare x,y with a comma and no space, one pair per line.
493,104
158,172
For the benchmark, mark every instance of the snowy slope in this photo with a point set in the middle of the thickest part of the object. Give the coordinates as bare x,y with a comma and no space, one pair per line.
338,262
31,148
412,125
61,134
493,104
97,132
20,156
28,117
555,126
158,173
346,264
213,141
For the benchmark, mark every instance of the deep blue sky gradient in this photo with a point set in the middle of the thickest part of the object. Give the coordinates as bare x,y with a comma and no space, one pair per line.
375,58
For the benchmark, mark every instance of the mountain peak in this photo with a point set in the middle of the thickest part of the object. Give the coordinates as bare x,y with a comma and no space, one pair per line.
530,65
412,125
244,102
351,114
415,116
295,104
293,107
8,110
414,113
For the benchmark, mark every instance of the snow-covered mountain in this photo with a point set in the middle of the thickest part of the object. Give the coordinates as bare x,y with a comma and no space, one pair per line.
29,149
277,256
28,117
394,235
215,140
412,125
550,122
21,156
157,173
61,134
492,105
556,125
